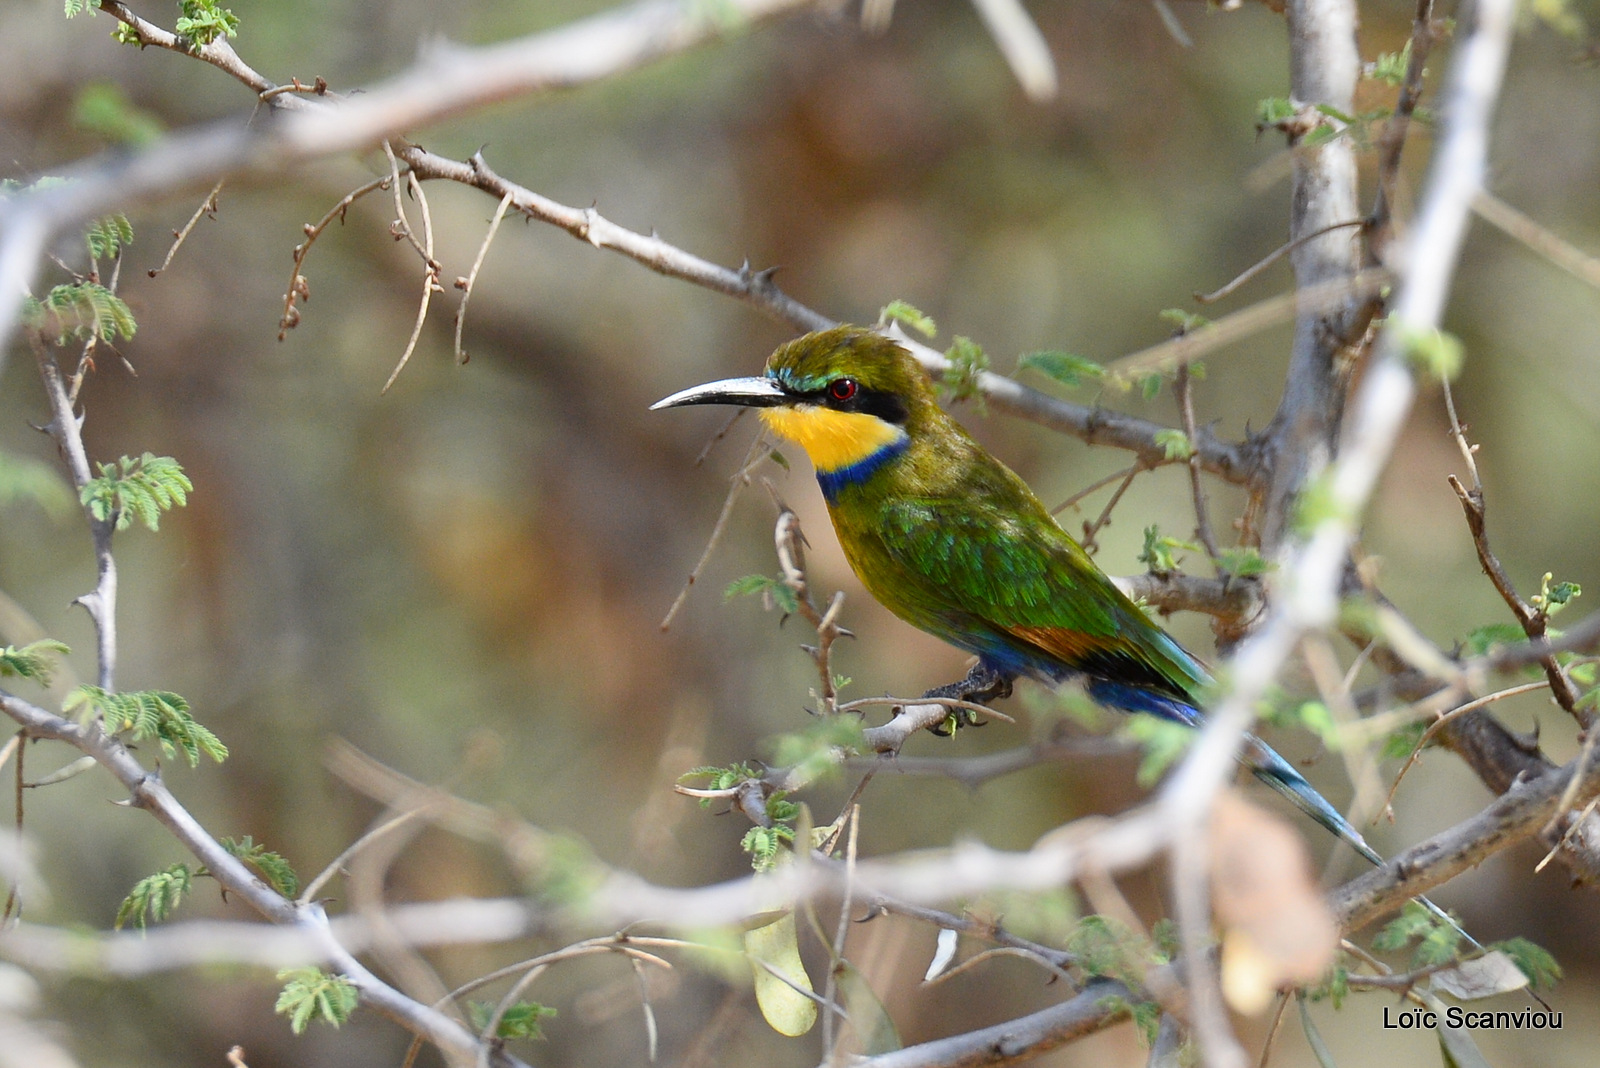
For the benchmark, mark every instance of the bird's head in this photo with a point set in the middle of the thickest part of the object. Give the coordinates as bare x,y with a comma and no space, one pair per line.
845,395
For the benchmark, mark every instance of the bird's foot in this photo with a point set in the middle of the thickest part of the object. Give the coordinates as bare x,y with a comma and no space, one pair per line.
982,685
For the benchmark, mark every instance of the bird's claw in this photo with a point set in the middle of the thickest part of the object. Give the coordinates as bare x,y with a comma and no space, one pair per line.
981,685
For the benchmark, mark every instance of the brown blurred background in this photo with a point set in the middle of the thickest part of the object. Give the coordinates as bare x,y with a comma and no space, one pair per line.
465,577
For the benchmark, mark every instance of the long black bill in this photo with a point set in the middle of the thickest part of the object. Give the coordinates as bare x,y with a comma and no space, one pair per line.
748,392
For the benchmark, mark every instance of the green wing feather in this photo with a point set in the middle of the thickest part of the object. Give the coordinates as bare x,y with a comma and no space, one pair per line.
1016,588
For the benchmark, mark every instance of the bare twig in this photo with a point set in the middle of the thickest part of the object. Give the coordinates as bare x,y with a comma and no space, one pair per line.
1099,483
466,284
207,210
1516,814
299,290
1183,387
1392,142
430,266
1441,720
1235,326
1557,250
1534,621
1091,530
1269,259
753,457
792,568
148,792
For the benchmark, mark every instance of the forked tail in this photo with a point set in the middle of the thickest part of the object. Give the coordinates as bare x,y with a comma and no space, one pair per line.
1268,766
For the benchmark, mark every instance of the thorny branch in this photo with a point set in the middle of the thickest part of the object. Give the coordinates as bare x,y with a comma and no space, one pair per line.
450,80
792,565
1379,412
1533,621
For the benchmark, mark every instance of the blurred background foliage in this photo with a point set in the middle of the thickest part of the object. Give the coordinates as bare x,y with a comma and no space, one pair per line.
465,577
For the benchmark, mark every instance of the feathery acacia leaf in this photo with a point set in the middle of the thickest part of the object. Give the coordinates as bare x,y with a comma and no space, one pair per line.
273,868
155,896
142,489
312,994
36,660
157,714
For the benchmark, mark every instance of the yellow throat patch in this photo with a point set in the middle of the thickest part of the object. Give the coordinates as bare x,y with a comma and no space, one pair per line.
833,440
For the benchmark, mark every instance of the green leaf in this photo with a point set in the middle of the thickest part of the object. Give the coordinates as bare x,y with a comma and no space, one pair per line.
1390,67
80,310
1403,742
875,1030
1274,109
1067,368
1436,940
1560,17
312,994
1187,322
1164,743
1480,640
710,777
1314,717
36,660
137,489
1335,988
1532,960
273,868
157,714
22,479
155,896
203,22
775,948
1433,352
1174,443
1244,561
1317,504
968,362
746,585
1159,551
765,845
1319,1048
520,1020
78,7
103,108
898,311
1552,598
107,236
1150,386
1334,113
811,753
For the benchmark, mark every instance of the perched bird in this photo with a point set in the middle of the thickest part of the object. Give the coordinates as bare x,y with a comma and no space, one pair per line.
952,541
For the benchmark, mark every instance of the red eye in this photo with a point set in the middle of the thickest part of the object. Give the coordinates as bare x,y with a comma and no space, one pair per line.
842,389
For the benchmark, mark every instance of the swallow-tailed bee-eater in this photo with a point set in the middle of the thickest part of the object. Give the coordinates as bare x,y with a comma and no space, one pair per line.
952,541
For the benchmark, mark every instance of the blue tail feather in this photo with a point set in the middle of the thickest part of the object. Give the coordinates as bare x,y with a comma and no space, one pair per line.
1268,766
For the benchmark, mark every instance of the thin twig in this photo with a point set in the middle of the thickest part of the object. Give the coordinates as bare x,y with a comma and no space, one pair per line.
430,266
1246,322
1271,258
1183,387
1392,141
741,478
1444,718
299,290
1534,621
1090,530
309,894
466,284
1097,484
207,209
1557,250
